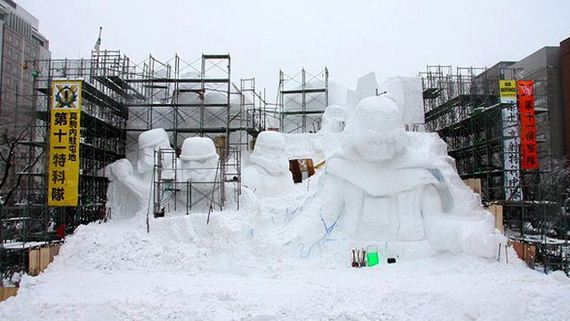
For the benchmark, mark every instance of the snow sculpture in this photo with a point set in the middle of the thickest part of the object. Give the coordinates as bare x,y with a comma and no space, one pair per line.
129,191
151,141
198,169
365,87
333,119
268,171
125,195
407,93
391,185
198,160
337,93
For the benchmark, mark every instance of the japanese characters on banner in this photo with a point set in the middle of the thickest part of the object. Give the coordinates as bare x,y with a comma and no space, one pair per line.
529,151
511,141
63,175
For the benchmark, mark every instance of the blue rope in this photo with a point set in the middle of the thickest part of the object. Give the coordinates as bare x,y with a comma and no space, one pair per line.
328,230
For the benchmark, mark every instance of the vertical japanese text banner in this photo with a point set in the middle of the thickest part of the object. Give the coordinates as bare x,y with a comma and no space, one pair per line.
511,140
529,150
63,169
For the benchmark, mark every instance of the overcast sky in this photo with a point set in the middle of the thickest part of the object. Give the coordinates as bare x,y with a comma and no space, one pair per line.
390,37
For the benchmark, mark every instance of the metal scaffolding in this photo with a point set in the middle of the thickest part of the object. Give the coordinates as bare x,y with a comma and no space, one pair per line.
463,107
27,221
189,99
302,99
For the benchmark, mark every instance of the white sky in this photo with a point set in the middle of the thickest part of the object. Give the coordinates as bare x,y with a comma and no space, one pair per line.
391,37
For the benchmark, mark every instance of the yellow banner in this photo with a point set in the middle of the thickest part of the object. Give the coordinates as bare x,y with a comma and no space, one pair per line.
508,91
65,124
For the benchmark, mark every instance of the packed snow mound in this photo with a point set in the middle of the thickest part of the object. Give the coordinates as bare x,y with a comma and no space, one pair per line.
174,244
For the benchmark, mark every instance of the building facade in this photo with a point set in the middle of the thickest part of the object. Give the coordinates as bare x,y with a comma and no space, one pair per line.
22,44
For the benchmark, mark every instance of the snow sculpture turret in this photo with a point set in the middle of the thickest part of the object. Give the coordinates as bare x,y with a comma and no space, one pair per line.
268,171
391,185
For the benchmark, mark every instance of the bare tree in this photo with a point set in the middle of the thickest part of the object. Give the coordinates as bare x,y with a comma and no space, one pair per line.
11,139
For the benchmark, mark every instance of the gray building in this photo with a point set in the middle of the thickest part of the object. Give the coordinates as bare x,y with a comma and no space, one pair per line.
543,67
21,45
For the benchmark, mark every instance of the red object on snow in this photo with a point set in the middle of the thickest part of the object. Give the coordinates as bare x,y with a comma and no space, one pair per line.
60,231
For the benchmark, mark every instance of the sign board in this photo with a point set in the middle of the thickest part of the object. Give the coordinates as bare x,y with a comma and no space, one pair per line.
508,91
64,137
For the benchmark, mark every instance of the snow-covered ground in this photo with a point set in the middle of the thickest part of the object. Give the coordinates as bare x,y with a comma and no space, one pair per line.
227,270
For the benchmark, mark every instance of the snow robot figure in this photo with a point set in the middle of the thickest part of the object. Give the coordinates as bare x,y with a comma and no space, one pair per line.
268,174
391,185
198,160
198,170
152,141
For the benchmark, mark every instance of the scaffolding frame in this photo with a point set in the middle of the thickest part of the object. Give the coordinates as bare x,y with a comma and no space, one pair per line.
28,221
192,99
302,99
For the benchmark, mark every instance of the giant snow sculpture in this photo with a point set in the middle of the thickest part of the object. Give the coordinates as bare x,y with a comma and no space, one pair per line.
268,172
387,184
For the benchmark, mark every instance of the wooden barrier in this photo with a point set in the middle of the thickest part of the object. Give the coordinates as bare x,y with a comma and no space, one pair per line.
40,258
6,293
526,252
474,184
497,211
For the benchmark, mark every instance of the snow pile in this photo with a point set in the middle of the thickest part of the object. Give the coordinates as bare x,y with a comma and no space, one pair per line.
186,270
